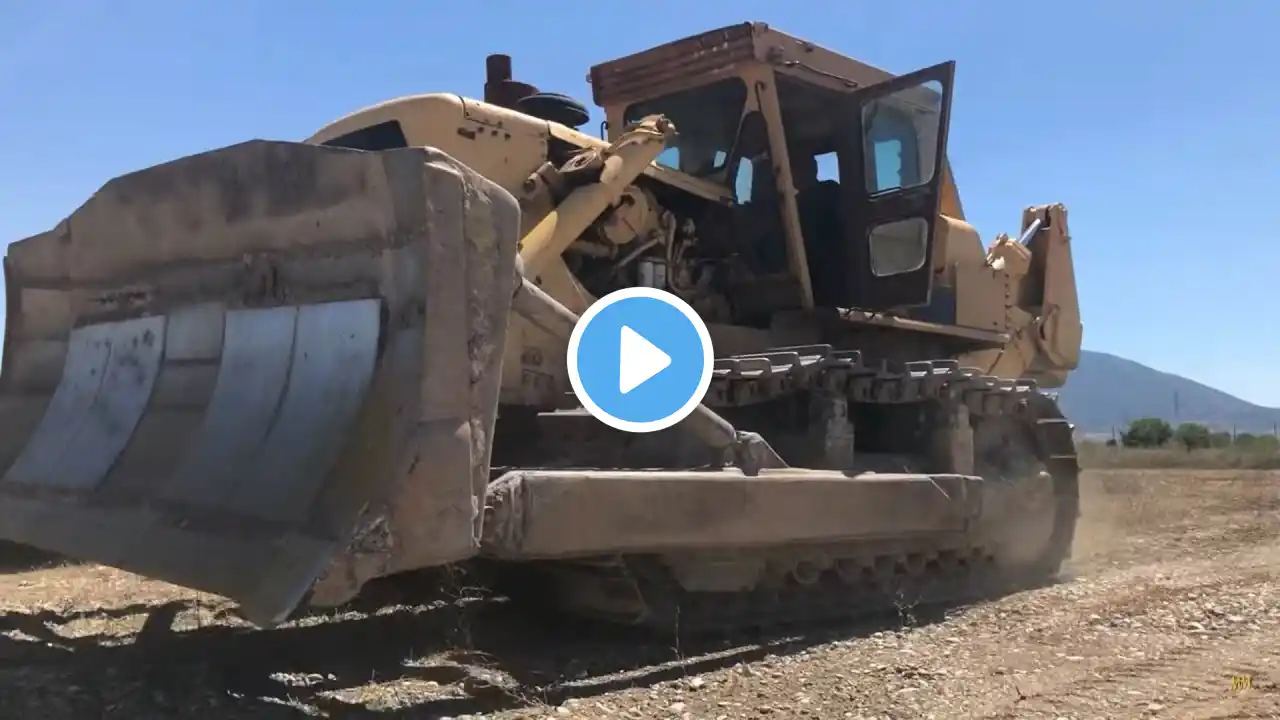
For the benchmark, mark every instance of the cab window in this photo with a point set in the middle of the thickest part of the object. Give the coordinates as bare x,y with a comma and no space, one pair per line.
901,137
706,120
891,152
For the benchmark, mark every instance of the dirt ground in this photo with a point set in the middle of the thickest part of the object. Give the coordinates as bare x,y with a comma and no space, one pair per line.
1171,610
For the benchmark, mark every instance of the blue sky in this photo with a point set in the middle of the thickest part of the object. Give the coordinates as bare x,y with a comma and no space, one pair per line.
1155,122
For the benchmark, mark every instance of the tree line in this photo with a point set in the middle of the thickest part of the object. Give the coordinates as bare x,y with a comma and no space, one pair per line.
1155,432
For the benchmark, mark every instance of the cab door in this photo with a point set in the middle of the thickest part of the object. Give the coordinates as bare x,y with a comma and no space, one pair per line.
893,151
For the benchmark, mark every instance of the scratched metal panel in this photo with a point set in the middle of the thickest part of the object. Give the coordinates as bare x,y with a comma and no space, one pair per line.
290,386
87,355
121,400
257,348
334,350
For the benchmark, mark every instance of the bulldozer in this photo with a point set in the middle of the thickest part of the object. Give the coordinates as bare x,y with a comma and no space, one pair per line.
277,371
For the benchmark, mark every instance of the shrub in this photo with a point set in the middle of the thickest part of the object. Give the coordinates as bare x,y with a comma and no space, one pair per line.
1258,443
1193,436
1147,433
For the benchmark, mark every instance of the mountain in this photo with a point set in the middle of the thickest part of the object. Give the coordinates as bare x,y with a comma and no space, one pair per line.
1106,391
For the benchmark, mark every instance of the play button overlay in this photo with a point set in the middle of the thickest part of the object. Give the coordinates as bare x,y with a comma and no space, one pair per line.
640,360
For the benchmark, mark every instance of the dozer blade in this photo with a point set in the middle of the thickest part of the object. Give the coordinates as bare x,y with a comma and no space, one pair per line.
268,371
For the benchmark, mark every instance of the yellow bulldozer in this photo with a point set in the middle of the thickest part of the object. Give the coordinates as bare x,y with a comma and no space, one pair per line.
276,371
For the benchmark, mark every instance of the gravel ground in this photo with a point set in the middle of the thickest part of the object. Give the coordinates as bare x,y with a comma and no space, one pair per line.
1171,609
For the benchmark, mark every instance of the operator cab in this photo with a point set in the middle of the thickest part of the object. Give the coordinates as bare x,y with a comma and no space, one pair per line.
851,218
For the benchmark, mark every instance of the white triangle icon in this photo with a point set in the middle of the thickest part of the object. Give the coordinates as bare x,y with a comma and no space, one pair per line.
639,361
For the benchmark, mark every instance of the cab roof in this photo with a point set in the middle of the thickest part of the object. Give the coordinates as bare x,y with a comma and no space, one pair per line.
720,53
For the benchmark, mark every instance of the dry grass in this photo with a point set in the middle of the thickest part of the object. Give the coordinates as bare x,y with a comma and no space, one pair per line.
1173,590
1099,456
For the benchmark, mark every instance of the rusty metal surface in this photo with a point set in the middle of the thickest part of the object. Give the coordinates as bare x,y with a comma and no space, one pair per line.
223,371
700,59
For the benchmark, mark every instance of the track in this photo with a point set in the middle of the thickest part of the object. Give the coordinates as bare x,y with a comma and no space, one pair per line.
845,581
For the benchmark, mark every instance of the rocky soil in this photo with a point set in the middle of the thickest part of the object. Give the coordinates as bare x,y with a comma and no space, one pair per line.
1171,610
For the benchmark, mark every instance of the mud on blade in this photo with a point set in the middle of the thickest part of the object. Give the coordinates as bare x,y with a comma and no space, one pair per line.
263,371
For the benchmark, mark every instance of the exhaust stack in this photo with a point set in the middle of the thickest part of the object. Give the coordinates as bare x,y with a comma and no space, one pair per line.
499,87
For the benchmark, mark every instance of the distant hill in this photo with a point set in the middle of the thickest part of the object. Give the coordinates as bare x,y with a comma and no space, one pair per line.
1108,391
